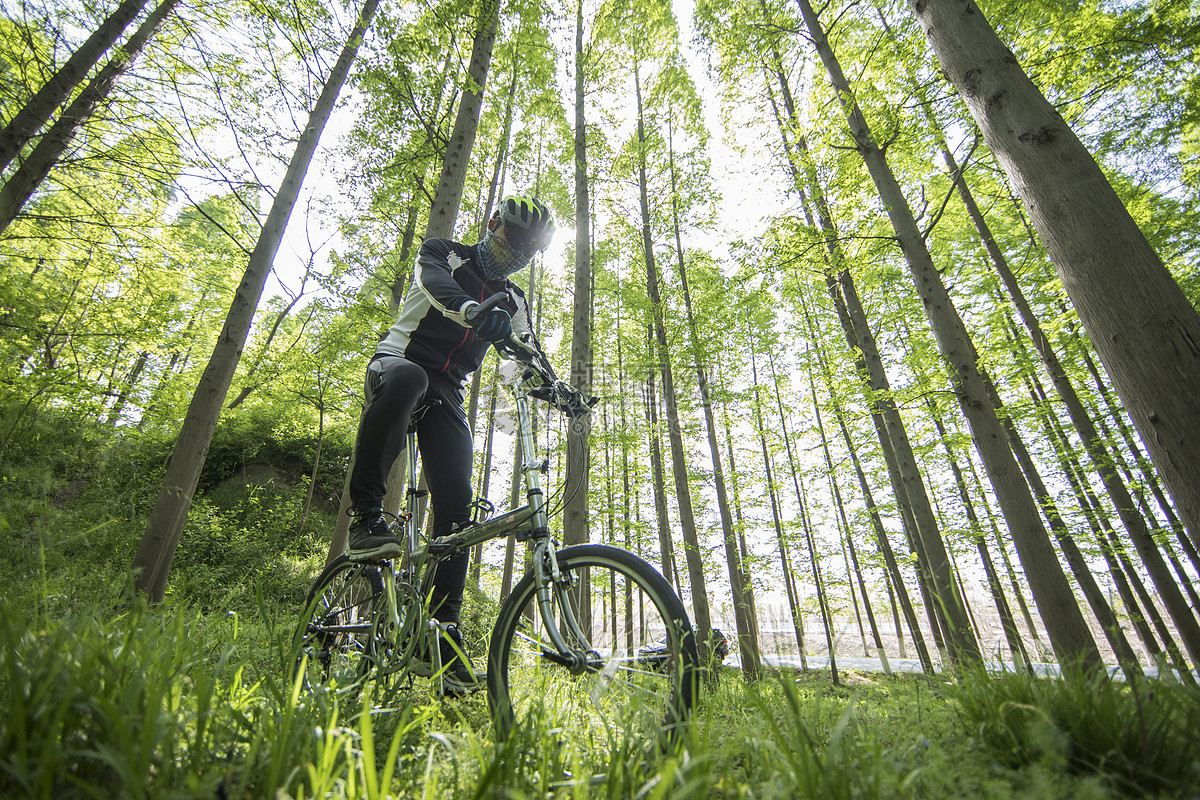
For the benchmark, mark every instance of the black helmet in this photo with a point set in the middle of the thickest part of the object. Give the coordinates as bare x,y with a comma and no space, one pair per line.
527,222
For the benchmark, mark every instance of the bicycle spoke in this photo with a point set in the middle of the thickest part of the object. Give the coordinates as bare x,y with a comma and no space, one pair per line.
333,640
621,699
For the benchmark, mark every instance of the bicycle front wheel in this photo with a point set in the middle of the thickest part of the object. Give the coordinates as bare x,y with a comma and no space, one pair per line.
637,685
335,633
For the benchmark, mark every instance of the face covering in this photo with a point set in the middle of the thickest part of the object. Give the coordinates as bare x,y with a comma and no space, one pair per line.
498,261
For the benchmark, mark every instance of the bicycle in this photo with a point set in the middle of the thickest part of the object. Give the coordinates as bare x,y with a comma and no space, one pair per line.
566,645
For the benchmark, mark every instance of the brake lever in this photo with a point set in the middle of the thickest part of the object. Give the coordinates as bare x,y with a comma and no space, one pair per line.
543,393
518,350
575,403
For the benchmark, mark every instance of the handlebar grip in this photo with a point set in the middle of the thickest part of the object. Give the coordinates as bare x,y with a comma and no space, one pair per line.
493,301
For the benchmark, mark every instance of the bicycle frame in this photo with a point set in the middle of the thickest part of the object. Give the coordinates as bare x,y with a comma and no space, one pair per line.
527,522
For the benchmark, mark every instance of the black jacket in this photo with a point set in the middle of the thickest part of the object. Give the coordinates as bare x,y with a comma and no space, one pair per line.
432,329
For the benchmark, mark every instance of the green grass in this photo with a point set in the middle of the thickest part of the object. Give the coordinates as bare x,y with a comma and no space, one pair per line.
168,702
102,696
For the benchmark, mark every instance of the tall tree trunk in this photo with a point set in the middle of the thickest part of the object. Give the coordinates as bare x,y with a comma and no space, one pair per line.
1018,592
25,124
403,273
776,516
575,527
806,525
885,546
1131,442
1144,328
946,613
666,547
1012,635
1089,505
740,525
1102,459
152,562
1181,609
848,550
499,170
933,574
742,613
466,122
127,388
693,555
818,579
37,165
1129,585
1071,553
1069,633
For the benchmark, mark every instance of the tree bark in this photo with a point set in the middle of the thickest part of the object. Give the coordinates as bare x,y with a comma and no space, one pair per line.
885,546
847,540
740,526
1069,633
1102,459
575,513
742,603
945,612
691,544
818,580
933,574
1142,325
776,516
466,122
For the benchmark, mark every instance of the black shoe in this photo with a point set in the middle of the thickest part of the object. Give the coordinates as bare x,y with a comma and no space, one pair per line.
371,539
458,674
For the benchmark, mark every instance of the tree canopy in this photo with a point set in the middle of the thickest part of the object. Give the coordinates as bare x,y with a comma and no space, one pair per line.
855,355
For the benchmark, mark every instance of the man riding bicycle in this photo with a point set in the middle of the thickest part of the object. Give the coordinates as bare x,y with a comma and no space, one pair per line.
460,301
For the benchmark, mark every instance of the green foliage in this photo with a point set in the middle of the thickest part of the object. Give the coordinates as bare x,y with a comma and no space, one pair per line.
74,494
261,435
1139,738
112,293
105,697
111,704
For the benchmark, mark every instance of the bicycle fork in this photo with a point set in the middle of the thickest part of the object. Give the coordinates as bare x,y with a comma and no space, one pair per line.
548,576
550,581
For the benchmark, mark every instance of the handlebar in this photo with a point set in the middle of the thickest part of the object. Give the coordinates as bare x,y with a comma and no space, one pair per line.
558,393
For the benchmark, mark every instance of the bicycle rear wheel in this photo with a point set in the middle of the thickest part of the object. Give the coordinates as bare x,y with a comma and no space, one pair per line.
635,691
335,633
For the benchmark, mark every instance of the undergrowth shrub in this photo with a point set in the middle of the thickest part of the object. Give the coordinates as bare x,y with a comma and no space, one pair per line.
76,492
1141,737
257,435
228,553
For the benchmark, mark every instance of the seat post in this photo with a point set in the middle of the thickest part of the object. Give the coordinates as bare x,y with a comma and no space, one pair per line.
413,494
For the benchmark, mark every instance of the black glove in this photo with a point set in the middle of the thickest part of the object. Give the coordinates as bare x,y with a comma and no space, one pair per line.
490,323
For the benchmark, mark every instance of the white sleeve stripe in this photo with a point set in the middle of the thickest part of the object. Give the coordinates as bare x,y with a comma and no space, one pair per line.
458,315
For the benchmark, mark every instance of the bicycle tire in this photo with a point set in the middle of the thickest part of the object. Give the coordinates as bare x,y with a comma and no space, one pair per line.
622,700
334,638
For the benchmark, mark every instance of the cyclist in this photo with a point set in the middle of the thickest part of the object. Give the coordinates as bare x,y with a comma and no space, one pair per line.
461,300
